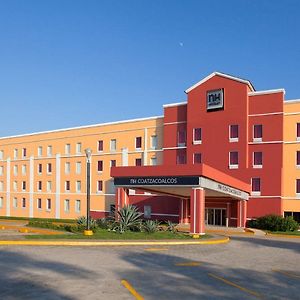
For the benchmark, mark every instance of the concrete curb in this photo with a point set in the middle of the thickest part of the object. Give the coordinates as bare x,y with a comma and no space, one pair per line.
113,243
289,236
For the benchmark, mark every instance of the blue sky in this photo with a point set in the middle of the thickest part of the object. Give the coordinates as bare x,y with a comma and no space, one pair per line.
66,63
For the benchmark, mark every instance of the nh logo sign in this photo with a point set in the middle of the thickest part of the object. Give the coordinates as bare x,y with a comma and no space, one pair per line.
215,100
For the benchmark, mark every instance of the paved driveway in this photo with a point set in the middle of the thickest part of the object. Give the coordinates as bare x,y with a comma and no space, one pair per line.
246,268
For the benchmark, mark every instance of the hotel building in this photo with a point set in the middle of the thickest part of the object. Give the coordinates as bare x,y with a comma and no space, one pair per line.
226,154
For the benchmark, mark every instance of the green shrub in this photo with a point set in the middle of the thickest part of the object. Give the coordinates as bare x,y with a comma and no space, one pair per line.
274,223
129,219
105,223
171,226
151,226
81,221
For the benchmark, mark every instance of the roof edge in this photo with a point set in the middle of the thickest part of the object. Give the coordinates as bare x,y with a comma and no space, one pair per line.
175,104
222,75
265,92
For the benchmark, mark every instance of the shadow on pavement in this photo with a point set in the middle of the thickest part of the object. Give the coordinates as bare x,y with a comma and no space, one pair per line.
23,277
155,276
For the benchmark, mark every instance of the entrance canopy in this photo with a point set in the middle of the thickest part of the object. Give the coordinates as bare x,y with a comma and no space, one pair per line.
179,179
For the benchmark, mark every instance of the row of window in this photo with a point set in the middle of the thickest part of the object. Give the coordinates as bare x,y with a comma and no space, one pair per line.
256,186
100,146
67,186
233,135
47,204
233,159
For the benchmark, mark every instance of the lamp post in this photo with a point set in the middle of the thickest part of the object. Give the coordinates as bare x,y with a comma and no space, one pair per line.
88,153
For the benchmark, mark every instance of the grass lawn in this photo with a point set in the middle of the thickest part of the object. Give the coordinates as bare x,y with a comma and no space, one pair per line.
71,221
285,232
103,234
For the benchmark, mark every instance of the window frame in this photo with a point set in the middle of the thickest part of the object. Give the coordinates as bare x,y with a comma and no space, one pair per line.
197,142
254,165
233,166
233,139
255,193
257,139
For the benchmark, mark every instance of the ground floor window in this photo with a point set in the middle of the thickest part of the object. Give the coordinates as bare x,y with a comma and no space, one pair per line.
294,214
215,216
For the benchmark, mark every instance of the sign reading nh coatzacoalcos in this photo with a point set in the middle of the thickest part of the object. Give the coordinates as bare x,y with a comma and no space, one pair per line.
215,100
161,180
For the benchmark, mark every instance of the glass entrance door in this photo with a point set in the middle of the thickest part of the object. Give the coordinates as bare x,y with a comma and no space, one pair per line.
215,216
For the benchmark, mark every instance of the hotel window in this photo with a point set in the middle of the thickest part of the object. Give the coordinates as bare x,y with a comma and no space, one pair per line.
78,148
39,203
234,133
15,186
257,133
138,162
78,186
298,158
1,202
67,149
147,211
113,145
48,204
100,166
23,169
15,170
15,202
24,152
100,146
67,167
138,142
40,168
67,186
15,153
78,167
23,202
49,168
77,206
49,151
67,205
298,131
49,186
256,186
153,161
40,150
23,185
39,186
181,136
257,159
1,186
181,159
1,154
113,163
233,160
153,142
1,170
197,158
197,136
298,187
99,186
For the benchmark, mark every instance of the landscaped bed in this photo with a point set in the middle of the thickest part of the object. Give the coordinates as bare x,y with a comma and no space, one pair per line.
128,225
103,234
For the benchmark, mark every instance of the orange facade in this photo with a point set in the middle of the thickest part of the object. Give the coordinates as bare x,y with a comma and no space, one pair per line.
253,137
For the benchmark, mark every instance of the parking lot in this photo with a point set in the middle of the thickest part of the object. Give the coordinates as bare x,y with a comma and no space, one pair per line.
245,268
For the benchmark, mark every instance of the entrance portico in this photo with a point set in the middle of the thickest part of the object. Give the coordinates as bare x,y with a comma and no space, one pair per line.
195,186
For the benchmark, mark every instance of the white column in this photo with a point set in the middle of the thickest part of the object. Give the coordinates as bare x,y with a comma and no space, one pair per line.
57,187
31,185
8,187
124,157
145,147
